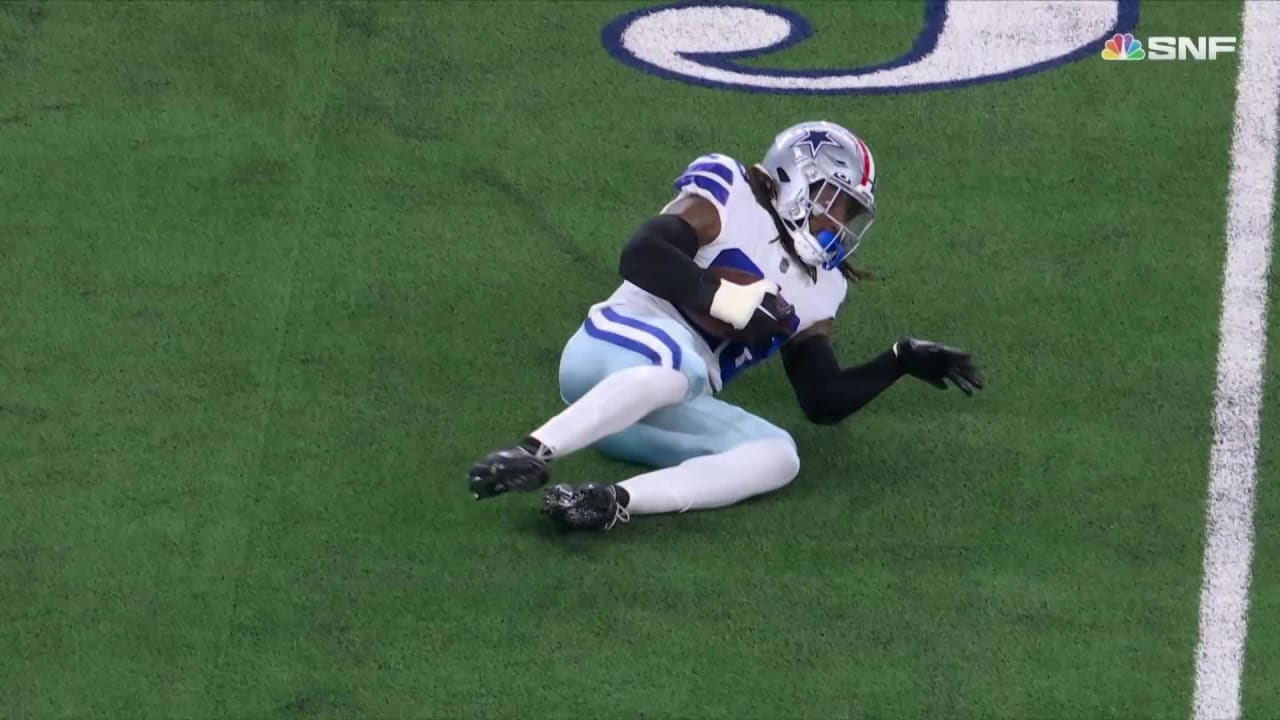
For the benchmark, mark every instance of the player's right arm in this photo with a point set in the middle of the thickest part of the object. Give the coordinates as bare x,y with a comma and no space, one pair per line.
659,258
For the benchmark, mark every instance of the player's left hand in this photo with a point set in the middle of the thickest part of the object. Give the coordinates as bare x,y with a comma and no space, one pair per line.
935,364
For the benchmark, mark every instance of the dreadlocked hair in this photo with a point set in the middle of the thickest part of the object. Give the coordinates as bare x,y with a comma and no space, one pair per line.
765,192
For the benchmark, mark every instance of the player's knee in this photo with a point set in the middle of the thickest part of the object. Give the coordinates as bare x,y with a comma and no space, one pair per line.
781,459
788,458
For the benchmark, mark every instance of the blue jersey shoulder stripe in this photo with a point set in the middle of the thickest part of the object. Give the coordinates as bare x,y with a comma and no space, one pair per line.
716,169
715,187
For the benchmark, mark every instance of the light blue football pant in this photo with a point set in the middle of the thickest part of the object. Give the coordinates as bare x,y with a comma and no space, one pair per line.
609,342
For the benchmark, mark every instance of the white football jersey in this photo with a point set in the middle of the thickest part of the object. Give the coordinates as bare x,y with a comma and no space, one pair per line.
747,241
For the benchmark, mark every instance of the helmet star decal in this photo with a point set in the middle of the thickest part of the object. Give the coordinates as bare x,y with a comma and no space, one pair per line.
815,139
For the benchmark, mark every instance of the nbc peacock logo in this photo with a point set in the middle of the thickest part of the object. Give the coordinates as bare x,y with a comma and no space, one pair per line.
1123,47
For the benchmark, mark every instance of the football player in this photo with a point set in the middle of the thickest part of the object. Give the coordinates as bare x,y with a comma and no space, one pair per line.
641,373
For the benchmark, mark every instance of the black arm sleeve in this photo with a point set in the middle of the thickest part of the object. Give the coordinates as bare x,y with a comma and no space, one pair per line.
828,394
659,259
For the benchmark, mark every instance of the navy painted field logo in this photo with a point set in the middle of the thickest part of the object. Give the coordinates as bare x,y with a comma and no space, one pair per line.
961,43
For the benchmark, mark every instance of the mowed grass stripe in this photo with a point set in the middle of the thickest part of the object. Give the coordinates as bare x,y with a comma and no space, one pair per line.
314,42
154,160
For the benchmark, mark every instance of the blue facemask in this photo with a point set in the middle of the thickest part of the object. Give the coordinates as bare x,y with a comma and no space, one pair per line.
835,250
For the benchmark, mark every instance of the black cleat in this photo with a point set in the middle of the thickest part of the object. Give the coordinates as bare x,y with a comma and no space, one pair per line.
589,507
514,468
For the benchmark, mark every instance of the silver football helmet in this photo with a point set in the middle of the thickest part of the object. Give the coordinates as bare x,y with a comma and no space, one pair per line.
819,167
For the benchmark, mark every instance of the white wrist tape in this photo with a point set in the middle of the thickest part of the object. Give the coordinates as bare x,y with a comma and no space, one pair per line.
735,304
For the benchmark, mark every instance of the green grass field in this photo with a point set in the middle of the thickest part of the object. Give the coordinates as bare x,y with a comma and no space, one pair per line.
273,275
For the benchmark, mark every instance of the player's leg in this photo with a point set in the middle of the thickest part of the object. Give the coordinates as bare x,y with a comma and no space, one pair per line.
711,454
745,456
614,371
611,381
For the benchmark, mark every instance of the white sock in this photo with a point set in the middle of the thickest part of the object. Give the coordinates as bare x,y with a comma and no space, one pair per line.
713,481
614,404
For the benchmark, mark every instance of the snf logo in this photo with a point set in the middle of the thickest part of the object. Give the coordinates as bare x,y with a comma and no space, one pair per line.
1167,47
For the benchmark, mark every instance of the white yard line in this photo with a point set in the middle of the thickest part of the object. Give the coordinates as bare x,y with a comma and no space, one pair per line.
1224,597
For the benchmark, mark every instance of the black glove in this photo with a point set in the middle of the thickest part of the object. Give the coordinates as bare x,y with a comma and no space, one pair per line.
936,363
774,317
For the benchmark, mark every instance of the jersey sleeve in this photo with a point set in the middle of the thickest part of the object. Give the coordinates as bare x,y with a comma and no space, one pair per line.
822,302
717,178
842,293
834,294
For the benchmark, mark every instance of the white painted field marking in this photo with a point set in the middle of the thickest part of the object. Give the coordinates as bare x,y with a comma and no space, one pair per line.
1228,553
